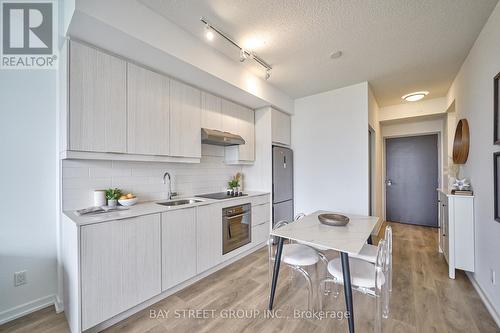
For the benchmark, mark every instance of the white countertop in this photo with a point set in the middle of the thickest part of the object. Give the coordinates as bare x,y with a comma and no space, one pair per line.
349,238
448,193
146,208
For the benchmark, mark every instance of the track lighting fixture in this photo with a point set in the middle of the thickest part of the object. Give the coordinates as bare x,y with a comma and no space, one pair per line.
210,31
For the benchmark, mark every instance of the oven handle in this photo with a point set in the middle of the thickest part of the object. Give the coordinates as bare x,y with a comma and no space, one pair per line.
235,216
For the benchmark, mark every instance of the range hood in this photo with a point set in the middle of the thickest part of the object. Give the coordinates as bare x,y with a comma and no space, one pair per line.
219,138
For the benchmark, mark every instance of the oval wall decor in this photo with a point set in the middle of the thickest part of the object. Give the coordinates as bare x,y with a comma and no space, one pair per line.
461,142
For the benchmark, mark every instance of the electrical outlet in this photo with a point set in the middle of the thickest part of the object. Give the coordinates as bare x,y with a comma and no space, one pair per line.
20,278
493,276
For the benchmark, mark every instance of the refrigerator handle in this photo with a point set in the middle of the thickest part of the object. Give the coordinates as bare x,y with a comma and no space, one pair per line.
284,161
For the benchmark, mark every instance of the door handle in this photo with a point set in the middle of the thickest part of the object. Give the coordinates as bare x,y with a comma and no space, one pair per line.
388,182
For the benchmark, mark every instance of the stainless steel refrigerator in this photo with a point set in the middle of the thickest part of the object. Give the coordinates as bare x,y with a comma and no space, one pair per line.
282,184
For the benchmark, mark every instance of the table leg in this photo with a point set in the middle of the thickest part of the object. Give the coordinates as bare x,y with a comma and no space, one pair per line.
277,262
348,289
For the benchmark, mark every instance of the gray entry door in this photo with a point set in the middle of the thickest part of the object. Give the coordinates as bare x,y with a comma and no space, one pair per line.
412,180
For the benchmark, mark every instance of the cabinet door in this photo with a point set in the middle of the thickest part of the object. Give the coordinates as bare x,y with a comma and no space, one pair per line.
247,131
148,129
209,236
281,127
230,115
120,266
185,120
211,114
260,233
97,101
446,228
239,120
178,230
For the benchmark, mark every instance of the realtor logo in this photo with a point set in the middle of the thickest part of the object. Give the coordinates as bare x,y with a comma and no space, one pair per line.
28,35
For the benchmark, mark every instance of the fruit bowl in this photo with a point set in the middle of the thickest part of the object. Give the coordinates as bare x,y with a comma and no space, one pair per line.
128,202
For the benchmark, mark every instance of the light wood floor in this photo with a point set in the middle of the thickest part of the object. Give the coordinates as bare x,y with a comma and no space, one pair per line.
423,299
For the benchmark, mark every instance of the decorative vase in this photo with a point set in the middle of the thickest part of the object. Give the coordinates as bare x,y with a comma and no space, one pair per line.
112,202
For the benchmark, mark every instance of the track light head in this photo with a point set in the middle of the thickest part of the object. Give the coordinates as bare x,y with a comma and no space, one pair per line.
268,73
209,34
243,55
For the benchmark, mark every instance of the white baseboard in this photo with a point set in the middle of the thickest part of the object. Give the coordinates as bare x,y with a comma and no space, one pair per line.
26,308
58,303
484,298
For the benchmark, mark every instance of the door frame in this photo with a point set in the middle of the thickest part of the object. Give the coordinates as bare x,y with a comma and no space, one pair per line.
384,163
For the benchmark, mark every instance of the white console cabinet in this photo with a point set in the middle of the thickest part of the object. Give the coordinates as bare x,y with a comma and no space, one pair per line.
456,226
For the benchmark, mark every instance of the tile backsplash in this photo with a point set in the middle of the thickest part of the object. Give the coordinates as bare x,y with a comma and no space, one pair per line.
144,179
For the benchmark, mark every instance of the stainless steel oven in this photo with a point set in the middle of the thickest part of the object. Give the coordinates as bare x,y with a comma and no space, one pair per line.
236,227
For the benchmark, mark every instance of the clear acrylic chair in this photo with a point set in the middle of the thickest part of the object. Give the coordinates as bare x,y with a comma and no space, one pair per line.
319,249
369,253
367,278
297,257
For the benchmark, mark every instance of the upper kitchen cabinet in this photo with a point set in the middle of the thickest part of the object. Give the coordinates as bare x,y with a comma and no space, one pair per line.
148,113
239,120
185,120
281,128
97,101
211,113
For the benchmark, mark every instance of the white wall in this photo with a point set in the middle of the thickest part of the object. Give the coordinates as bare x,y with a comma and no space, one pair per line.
330,143
373,120
28,194
425,107
472,91
144,179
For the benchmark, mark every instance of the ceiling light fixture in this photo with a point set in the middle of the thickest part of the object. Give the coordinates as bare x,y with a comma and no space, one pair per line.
336,55
243,53
415,96
209,34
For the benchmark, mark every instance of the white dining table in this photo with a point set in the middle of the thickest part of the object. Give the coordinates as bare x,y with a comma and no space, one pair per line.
348,239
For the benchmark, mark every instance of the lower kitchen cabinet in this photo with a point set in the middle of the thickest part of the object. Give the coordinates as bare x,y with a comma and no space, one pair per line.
112,267
178,230
209,236
120,266
260,233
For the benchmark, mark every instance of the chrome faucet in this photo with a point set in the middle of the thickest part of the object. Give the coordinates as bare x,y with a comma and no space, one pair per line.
170,194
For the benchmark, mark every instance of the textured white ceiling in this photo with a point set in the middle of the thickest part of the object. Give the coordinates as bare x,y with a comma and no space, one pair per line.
399,46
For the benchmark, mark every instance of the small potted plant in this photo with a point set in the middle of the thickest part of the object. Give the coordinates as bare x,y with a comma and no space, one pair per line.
113,194
234,183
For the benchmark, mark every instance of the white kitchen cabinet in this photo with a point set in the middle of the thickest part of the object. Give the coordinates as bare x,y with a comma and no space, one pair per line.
211,112
178,230
185,120
261,217
260,214
120,266
281,128
209,237
230,113
456,222
239,120
260,233
148,112
97,101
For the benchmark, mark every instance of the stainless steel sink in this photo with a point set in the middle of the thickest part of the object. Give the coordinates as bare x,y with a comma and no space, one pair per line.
179,202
